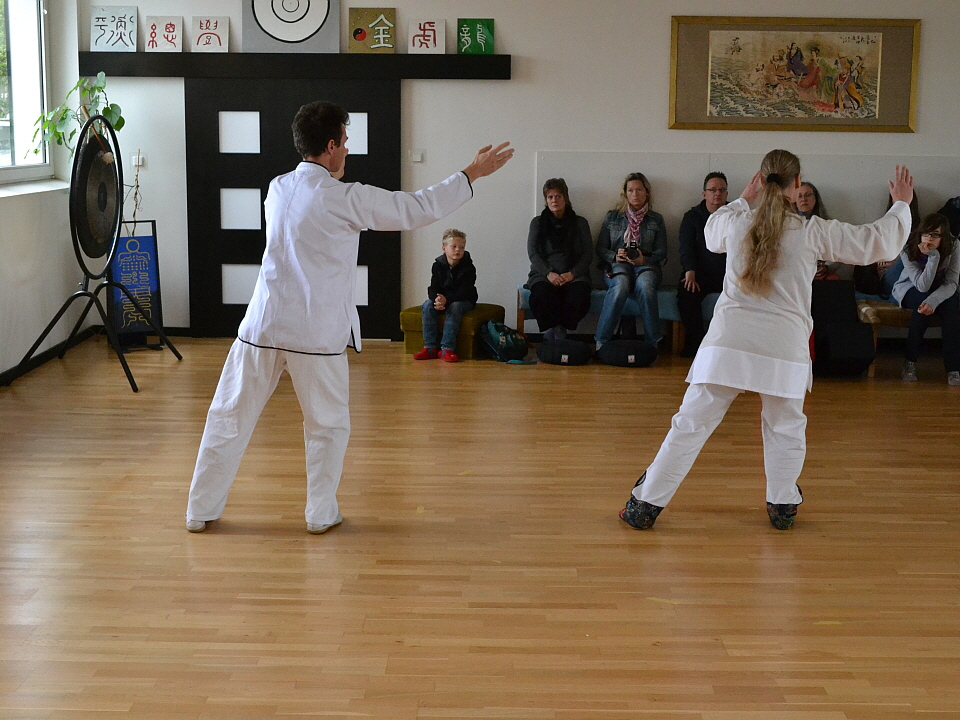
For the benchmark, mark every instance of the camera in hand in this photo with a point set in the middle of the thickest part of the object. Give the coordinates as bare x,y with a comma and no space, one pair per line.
632,252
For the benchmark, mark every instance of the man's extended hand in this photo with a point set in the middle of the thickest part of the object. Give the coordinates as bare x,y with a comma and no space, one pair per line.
488,160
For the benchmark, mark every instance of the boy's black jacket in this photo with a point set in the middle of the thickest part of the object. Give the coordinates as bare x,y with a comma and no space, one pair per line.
454,283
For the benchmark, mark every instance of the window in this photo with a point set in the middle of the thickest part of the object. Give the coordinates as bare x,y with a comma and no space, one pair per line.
21,90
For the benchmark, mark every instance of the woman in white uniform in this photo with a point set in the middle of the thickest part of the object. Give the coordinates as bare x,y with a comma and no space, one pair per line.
758,340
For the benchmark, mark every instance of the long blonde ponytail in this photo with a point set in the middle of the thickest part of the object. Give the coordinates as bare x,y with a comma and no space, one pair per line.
778,170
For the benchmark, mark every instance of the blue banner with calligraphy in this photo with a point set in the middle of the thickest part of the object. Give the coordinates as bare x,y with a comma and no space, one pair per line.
136,266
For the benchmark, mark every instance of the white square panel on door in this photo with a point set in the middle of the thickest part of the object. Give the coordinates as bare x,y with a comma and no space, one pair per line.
240,132
238,283
240,209
357,134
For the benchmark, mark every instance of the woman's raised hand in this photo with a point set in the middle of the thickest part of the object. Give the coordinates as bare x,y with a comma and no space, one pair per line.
901,188
753,189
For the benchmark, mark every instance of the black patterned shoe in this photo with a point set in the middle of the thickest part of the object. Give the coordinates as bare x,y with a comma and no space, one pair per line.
782,516
639,514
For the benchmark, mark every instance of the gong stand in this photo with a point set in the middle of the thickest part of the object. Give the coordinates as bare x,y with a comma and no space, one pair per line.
96,207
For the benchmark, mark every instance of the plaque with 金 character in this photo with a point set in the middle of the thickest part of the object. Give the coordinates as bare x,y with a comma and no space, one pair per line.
427,37
373,30
475,36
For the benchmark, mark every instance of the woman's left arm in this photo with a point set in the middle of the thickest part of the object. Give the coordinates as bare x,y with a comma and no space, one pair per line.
659,254
719,223
861,244
951,279
581,267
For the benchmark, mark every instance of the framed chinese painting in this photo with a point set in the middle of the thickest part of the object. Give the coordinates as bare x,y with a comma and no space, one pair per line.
780,73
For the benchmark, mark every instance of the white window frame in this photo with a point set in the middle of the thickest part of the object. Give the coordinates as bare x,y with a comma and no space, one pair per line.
34,171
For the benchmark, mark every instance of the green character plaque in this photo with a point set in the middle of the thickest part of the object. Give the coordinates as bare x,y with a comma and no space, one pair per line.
475,36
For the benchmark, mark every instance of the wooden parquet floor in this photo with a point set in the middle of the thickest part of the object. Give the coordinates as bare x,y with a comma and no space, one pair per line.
481,571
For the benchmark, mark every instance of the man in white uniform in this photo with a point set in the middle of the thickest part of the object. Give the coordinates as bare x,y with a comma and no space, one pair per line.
302,316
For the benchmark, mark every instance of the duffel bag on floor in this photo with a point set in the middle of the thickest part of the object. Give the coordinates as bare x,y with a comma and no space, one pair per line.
565,352
627,353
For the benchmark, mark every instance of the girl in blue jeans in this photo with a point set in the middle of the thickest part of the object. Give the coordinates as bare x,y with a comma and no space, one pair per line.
928,287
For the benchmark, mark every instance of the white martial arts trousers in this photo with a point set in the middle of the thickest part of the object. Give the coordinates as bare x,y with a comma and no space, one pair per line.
250,375
784,443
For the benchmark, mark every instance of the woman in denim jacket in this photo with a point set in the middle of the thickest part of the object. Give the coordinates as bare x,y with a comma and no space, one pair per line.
632,248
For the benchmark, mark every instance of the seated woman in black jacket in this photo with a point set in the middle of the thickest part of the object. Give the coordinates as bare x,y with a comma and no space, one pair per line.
560,249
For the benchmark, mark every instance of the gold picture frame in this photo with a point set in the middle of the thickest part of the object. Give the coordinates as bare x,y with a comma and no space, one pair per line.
786,73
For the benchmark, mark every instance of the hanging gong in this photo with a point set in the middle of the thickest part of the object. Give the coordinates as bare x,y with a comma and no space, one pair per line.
96,194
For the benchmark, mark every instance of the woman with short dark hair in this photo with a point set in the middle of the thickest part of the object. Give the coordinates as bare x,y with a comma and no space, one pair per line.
560,249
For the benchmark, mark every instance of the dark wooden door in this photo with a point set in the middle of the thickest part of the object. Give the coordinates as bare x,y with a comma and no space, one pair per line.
211,247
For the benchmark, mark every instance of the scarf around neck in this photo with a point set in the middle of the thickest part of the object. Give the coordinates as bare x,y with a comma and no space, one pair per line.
561,232
634,218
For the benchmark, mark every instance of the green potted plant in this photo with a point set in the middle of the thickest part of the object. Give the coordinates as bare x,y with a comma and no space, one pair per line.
61,124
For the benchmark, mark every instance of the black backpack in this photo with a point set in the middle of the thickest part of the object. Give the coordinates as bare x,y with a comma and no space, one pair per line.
503,343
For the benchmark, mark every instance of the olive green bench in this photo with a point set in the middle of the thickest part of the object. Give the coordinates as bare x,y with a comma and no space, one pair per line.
469,345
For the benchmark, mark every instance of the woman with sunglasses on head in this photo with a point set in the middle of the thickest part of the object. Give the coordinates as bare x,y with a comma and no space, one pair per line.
632,247
928,287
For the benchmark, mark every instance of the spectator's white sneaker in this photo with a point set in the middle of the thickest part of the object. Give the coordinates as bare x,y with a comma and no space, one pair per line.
320,529
196,526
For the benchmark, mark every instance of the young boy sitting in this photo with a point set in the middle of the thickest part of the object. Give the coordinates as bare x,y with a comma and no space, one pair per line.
453,290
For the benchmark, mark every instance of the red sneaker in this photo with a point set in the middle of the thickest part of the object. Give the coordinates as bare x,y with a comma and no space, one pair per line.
426,354
449,356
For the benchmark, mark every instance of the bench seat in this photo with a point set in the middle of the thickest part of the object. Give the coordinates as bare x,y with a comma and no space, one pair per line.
469,345
666,298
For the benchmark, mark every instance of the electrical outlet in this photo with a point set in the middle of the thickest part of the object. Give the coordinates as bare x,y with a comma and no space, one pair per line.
139,160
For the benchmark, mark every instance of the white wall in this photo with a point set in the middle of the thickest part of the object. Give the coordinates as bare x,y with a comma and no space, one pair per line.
588,77
39,274
594,78
153,111
39,270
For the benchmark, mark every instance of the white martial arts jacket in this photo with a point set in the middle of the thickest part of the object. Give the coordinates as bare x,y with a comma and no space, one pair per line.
304,297
763,344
